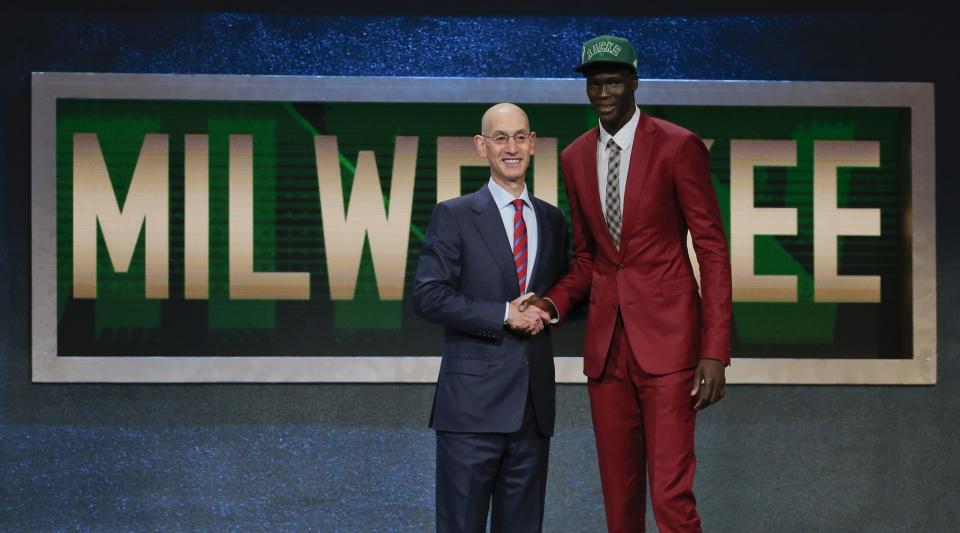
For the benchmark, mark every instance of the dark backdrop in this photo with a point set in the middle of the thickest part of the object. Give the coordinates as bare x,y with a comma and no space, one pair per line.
359,457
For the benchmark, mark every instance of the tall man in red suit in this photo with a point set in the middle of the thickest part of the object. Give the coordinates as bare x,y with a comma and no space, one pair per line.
655,350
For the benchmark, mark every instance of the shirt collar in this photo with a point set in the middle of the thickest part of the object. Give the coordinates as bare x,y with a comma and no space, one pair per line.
503,197
624,137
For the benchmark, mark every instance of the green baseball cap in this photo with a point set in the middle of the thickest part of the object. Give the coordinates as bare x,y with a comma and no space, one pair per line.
607,49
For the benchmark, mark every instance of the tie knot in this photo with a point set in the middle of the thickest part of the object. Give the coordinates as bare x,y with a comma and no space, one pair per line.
517,204
612,145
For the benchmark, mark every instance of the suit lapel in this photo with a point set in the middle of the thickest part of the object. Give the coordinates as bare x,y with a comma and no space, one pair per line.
644,142
490,225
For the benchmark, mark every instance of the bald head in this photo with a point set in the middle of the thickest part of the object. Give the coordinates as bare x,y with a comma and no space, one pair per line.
507,143
502,113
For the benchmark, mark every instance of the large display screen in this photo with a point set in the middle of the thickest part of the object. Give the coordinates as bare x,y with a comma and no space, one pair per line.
236,228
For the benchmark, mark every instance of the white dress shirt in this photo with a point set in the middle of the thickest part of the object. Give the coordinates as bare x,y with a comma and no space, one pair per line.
504,201
624,139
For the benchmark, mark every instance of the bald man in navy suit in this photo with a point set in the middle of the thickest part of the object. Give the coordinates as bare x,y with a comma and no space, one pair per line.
494,406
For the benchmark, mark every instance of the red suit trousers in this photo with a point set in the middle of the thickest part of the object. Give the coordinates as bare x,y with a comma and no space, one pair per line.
644,426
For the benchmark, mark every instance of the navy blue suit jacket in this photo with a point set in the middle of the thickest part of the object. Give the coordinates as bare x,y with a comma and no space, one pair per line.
465,276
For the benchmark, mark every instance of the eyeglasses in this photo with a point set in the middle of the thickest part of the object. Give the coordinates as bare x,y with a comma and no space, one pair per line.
521,137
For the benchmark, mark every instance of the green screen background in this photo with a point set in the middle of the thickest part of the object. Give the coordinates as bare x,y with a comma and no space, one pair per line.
289,238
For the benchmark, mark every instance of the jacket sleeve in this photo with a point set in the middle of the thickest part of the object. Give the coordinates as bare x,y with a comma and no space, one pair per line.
437,293
698,202
574,286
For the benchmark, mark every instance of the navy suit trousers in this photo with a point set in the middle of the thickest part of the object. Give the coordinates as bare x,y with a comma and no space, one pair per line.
507,471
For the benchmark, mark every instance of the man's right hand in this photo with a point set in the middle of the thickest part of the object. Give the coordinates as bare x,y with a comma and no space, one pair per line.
524,318
544,305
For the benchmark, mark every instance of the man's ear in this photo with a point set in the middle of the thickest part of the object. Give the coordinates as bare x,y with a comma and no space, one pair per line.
634,83
481,146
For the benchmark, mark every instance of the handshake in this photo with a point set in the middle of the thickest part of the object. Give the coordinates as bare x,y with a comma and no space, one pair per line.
529,314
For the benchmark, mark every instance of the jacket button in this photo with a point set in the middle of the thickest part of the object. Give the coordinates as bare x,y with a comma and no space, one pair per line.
620,266
523,362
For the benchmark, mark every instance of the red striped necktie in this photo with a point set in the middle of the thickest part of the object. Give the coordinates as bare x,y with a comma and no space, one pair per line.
520,244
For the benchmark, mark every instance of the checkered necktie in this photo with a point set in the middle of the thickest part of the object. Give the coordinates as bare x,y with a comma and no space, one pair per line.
520,244
613,192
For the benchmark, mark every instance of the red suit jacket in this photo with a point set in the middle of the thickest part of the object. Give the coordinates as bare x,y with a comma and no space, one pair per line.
650,278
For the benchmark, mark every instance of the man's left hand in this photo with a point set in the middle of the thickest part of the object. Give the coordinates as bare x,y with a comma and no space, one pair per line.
708,382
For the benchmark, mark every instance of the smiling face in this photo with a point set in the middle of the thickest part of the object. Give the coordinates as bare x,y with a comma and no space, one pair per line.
610,89
508,161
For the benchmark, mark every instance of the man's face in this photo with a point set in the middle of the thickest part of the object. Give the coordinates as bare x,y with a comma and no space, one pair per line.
508,160
610,89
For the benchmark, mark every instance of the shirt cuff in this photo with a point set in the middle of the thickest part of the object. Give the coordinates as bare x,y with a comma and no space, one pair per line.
506,313
555,315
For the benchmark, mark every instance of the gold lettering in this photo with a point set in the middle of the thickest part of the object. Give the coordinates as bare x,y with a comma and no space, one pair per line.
196,217
244,282
545,176
344,229
146,205
453,153
748,221
830,221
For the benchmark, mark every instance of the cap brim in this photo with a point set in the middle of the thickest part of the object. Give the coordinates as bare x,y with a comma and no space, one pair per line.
585,66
